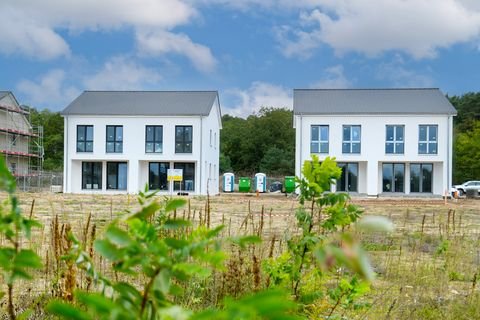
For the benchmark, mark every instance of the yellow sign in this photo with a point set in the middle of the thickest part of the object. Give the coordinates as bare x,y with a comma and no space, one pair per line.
175,175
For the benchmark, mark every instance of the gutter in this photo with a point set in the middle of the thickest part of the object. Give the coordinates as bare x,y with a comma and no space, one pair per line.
201,153
65,155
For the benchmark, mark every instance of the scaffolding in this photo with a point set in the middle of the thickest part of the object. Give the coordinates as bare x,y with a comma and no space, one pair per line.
21,144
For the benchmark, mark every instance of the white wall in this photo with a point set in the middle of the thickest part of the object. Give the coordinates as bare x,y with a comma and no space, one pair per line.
210,157
133,148
373,133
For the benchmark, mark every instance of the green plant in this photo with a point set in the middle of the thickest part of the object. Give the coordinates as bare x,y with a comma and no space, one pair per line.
15,262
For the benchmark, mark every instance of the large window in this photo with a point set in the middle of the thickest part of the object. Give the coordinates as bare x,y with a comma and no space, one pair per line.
395,139
183,139
351,139
117,175
188,183
84,138
92,175
114,139
154,139
421,177
393,177
348,181
157,176
427,139
319,139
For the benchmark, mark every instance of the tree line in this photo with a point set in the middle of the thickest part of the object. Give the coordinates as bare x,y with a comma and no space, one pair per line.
265,140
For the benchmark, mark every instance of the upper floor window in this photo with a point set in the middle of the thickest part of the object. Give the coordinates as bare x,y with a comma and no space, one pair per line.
427,139
183,139
351,139
154,139
319,139
395,139
115,139
84,138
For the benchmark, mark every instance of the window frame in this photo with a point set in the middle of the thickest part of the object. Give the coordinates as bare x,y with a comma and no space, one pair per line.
180,185
428,142
351,141
393,180
159,164
345,166
92,174
85,128
319,140
114,141
155,140
395,140
421,178
117,164
184,141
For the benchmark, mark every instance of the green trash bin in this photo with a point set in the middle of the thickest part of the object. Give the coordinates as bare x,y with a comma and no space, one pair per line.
289,184
244,184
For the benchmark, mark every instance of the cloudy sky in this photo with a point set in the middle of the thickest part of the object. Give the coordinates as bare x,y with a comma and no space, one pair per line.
253,51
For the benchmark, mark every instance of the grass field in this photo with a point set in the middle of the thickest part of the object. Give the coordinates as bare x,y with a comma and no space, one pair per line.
426,269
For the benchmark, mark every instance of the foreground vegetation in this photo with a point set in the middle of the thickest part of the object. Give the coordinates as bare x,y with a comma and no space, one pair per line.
304,268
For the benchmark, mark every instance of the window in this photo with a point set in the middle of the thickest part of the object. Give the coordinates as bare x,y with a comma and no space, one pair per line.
210,137
319,139
92,175
117,175
183,139
348,181
114,139
153,139
157,177
13,168
351,139
13,139
393,177
188,183
427,139
421,177
395,140
84,138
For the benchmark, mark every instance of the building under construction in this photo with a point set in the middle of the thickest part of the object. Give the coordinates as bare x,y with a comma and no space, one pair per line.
21,144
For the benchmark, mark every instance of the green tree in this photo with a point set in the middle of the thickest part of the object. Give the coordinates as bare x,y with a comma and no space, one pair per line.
52,123
466,154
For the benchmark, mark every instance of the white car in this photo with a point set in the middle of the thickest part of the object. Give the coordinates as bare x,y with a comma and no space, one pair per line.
462,188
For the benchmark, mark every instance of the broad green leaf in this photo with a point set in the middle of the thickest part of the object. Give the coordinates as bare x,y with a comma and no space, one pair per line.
243,241
174,204
146,212
173,224
162,281
108,250
27,259
97,301
118,236
66,311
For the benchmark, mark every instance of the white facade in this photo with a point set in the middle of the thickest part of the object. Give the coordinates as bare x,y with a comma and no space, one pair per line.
372,156
204,155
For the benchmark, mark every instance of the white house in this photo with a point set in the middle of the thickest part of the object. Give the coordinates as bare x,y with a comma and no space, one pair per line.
120,141
388,141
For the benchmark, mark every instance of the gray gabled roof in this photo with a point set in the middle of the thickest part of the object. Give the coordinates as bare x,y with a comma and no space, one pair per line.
143,103
371,101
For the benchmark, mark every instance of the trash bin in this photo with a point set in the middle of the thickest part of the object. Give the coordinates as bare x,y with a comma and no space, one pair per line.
228,182
289,184
244,184
260,182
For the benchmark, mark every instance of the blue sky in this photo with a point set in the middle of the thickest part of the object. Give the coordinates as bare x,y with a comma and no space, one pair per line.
253,51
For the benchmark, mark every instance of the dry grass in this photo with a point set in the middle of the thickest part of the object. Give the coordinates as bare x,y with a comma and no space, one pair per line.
427,269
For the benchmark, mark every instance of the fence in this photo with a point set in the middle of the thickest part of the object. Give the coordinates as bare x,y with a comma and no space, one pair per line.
44,181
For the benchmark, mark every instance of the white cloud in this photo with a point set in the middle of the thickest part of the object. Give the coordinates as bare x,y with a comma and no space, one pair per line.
398,75
416,27
31,26
49,91
120,73
259,94
334,78
160,42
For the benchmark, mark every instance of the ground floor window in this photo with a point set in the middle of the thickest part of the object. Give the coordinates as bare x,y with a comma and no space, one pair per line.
188,183
157,175
348,181
117,175
393,177
92,175
421,177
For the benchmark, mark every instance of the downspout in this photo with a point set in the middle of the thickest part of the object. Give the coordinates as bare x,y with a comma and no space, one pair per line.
301,144
200,166
65,155
449,147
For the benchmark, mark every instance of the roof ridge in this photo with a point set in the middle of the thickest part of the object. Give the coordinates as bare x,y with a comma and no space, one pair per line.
364,89
129,91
